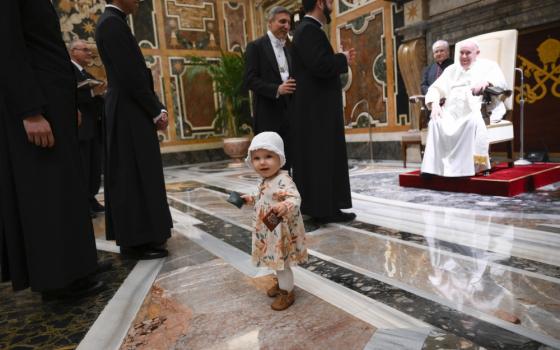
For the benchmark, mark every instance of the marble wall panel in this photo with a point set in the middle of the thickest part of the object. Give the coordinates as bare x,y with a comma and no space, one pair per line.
365,87
235,23
191,24
143,25
195,101
349,5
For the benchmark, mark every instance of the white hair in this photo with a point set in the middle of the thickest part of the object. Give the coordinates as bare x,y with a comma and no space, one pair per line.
469,42
438,43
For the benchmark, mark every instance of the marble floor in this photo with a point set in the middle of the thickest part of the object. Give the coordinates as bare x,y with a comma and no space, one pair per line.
417,269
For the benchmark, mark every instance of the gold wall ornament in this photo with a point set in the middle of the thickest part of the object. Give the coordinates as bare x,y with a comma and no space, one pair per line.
539,77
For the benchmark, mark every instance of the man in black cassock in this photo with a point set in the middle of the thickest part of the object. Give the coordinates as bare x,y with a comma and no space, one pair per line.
320,164
90,105
46,236
137,214
267,75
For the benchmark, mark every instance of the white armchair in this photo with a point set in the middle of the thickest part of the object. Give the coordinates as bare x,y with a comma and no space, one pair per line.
500,47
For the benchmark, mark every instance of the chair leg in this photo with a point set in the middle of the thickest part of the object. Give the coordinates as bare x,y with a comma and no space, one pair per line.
404,146
510,153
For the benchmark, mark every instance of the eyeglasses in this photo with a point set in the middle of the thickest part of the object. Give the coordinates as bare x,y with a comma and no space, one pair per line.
83,49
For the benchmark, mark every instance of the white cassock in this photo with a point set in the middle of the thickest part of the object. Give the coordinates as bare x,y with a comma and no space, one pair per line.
457,142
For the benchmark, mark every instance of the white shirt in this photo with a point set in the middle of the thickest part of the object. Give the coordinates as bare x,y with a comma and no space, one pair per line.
320,23
278,47
114,6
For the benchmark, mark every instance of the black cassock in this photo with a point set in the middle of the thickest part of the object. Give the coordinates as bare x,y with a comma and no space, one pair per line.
89,133
262,76
136,203
320,165
46,236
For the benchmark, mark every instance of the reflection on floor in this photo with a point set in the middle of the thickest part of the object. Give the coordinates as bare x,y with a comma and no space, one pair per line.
417,270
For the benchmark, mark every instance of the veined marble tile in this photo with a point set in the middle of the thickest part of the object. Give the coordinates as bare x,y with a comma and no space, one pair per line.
228,310
462,283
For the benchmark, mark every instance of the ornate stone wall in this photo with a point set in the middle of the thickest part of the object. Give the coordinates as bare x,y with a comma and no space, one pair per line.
170,32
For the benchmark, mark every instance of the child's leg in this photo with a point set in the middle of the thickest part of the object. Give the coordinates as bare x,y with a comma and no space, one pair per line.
285,278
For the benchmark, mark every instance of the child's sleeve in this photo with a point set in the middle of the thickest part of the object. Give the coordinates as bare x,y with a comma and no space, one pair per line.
289,195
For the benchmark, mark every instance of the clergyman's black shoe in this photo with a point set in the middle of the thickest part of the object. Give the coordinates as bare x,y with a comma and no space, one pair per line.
77,289
103,266
310,225
96,207
143,253
340,216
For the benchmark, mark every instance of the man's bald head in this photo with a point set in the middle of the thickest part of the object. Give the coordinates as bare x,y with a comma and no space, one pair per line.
468,51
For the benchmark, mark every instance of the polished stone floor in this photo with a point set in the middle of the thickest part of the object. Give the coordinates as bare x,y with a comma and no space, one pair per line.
418,269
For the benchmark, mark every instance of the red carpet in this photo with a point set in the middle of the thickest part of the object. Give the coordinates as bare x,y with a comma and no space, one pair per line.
502,181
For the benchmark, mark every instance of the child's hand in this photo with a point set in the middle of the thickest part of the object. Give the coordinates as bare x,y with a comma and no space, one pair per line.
248,199
280,209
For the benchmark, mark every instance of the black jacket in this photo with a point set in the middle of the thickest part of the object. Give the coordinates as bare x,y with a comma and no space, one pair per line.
90,106
262,77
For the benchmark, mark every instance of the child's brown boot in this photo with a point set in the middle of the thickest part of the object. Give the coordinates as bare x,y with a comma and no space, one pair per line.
283,301
274,290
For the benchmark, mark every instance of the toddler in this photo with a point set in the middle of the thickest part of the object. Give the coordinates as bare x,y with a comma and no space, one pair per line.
283,245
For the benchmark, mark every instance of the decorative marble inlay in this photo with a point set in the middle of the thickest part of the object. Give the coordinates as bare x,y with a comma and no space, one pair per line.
191,24
348,5
143,24
235,25
27,322
413,12
365,88
195,100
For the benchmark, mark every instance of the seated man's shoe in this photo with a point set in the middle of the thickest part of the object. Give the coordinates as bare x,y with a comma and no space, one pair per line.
426,176
339,216
143,253
96,207
78,289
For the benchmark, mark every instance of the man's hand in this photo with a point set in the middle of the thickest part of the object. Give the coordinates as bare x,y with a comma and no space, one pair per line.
79,118
99,90
437,111
162,121
479,88
287,87
350,55
38,131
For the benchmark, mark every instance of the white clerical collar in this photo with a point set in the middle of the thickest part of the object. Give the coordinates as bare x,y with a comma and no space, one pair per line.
80,68
317,20
274,40
115,7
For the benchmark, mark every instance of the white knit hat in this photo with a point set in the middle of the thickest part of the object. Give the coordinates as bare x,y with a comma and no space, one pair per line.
270,141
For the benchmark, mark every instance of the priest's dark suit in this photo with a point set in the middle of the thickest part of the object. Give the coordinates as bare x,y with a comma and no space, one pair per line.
46,237
320,165
262,77
136,204
89,133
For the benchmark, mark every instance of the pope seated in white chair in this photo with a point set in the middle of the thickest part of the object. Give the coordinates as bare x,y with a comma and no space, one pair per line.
457,140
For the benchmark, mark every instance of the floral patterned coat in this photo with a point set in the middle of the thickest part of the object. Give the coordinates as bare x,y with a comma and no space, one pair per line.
286,243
